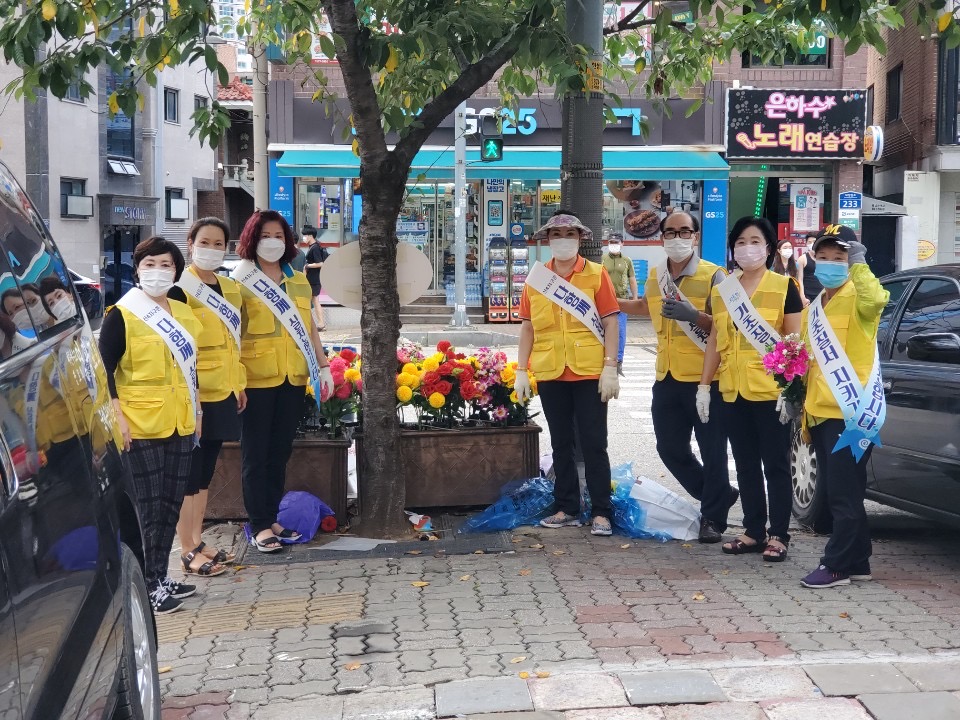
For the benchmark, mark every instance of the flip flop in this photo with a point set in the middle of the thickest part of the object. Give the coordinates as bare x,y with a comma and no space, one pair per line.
288,534
269,544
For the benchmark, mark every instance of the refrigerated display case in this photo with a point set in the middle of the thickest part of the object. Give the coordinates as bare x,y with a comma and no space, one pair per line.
519,267
499,279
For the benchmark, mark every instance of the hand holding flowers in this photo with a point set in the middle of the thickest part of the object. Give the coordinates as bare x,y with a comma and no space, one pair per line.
787,361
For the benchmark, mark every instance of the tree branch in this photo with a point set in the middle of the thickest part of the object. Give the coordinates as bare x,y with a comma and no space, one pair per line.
356,76
459,55
649,22
627,19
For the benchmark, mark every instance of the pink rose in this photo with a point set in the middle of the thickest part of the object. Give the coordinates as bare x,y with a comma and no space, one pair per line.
338,363
343,392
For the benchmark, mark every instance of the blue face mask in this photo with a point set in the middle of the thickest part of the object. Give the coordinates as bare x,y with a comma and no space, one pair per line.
831,274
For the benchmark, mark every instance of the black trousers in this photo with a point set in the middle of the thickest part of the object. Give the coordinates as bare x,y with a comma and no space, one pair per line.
761,450
269,426
160,469
849,548
203,466
566,403
674,411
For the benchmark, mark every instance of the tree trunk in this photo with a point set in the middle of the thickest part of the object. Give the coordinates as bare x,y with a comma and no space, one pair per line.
382,495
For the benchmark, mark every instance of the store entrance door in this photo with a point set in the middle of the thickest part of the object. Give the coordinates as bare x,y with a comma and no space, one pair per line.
422,223
116,264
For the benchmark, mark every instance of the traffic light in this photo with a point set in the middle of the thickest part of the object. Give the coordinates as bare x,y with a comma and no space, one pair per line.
491,149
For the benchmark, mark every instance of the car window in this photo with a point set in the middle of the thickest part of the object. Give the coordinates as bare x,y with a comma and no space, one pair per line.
934,307
896,288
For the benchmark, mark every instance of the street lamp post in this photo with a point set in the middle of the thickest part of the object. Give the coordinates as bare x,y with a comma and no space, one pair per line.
459,318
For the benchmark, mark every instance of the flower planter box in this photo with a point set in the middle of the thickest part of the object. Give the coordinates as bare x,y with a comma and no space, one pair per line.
318,466
466,466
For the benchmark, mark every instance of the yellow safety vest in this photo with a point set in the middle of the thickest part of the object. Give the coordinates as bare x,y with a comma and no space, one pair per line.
58,408
267,351
559,339
153,392
219,369
858,341
676,353
741,371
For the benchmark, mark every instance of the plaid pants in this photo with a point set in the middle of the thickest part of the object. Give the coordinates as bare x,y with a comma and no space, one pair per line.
160,470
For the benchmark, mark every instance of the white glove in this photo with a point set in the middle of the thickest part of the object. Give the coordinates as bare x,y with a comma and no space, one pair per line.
609,383
326,383
521,386
788,411
703,403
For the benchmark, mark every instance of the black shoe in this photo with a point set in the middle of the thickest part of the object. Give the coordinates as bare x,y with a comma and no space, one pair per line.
709,532
162,602
178,590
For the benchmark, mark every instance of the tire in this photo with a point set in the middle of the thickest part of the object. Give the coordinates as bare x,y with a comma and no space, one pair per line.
809,496
138,694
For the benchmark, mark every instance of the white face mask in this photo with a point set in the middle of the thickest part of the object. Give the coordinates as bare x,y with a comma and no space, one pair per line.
750,257
63,309
786,253
614,248
208,258
678,249
564,248
271,249
155,282
21,318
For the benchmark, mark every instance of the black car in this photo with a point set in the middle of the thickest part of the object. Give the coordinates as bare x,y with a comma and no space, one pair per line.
91,297
77,637
918,467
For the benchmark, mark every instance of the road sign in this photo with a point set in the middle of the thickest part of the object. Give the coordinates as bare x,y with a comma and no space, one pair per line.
851,200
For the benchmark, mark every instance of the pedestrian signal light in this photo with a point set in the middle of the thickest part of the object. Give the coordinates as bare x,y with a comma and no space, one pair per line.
491,150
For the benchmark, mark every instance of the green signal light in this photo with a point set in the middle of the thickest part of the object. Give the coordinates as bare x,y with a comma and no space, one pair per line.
491,150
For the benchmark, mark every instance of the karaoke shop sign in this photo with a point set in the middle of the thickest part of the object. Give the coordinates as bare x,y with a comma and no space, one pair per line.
795,124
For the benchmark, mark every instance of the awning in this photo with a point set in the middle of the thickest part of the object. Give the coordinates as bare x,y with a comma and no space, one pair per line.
619,163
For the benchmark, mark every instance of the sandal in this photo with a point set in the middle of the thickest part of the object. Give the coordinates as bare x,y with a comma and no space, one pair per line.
221,558
208,569
778,553
739,547
269,544
288,534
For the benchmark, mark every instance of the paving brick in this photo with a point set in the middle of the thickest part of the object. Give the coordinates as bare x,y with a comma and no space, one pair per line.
858,679
927,705
671,687
574,692
210,712
195,700
933,677
406,704
482,696
630,713
715,711
330,708
823,709
763,684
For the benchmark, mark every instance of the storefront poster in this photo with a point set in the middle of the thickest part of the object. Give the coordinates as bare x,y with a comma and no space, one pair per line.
415,233
806,207
646,202
828,124
281,192
714,225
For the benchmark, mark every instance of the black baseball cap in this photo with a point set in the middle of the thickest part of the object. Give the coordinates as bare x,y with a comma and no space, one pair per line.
840,235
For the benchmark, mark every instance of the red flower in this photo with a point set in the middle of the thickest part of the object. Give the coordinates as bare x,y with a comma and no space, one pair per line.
348,355
444,387
446,368
451,354
338,377
460,356
469,390
343,392
428,389
444,345
431,378
328,524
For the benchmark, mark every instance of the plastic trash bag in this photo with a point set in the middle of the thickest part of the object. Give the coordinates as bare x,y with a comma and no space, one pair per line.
299,511
666,512
629,516
522,502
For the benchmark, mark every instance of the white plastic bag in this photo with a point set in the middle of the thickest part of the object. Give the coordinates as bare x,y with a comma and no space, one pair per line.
666,511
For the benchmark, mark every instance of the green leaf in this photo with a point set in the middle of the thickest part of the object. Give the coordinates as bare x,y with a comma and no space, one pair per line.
640,65
692,110
210,58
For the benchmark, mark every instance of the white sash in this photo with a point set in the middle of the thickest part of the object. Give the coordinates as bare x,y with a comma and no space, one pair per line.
567,296
225,312
864,408
253,279
745,316
698,336
31,398
176,337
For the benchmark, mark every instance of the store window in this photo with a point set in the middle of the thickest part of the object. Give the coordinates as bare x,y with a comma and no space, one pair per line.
549,200
320,204
894,93
74,201
171,105
178,207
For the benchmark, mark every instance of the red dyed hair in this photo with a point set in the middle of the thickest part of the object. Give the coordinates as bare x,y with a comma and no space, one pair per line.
250,235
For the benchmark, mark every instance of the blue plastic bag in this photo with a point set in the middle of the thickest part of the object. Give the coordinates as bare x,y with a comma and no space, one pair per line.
629,517
522,502
299,511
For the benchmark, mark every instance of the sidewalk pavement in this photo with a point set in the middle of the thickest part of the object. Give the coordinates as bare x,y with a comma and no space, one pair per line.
574,627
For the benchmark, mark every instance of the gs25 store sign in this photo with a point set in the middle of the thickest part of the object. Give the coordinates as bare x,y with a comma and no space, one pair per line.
796,124
526,120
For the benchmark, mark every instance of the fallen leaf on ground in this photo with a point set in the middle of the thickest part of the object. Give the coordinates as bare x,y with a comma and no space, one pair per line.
433,538
844,615
238,568
164,669
464,578
420,583
542,674
559,552
725,572
524,572
414,552
687,545
518,659
626,545
352,666
524,675
516,540
699,597
478,552
538,546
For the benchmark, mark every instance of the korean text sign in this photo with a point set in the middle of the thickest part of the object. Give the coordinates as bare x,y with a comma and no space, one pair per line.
772,124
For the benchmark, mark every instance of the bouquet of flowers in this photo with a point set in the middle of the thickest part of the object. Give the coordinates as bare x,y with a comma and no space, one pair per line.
788,361
344,402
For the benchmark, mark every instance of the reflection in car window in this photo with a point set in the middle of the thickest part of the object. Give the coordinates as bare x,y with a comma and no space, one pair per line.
896,289
934,307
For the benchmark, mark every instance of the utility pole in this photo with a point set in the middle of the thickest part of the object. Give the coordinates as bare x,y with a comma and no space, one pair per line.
261,158
581,165
459,318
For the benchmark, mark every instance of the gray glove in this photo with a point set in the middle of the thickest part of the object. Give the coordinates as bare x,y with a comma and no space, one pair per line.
679,310
856,254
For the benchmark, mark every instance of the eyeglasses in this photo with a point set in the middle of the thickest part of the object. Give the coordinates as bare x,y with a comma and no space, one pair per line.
673,234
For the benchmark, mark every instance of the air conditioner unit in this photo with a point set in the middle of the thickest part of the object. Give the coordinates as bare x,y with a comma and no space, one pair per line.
80,205
179,209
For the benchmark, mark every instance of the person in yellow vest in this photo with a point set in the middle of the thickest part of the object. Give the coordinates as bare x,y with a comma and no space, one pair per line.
621,272
750,411
277,375
155,409
852,301
576,372
682,326
222,379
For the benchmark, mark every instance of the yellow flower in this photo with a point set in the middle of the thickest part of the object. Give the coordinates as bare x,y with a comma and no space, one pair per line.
403,379
410,369
352,374
439,357
431,364
416,381
404,394
513,397
437,401
508,375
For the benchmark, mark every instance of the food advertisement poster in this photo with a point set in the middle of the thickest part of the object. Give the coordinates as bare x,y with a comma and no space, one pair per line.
646,202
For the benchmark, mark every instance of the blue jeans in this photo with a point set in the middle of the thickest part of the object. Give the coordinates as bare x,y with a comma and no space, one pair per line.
622,318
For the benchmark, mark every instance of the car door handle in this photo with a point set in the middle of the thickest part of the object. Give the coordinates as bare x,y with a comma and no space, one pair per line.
887,386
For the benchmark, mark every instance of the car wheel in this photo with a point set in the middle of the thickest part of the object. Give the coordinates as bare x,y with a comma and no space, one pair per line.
809,496
138,697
